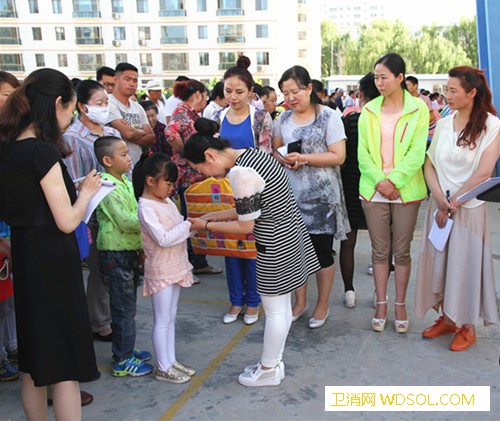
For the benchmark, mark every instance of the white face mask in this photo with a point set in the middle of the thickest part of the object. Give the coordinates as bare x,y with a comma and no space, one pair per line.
258,104
98,115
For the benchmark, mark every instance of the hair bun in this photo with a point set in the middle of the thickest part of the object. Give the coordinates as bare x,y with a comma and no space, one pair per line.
206,127
243,62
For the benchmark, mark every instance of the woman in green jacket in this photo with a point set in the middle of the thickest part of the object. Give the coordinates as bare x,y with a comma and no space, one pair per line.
392,139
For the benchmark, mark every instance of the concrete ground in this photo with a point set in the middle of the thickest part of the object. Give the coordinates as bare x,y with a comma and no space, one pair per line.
343,352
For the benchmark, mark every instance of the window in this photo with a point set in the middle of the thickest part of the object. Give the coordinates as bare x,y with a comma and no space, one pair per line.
202,6
11,62
56,7
302,35
37,34
173,34
90,62
172,8
302,17
121,58
260,4
62,60
202,32
119,33
9,36
8,10
146,59
60,34
230,33
204,59
263,58
142,6
229,8
117,6
302,1
40,60
302,53
227,60
175,62
33,6
88,35
86,9
144,33
262,31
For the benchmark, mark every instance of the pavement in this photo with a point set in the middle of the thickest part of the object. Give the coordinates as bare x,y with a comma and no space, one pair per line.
344,352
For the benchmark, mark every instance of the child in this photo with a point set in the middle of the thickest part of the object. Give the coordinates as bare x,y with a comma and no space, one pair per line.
167,266
120,243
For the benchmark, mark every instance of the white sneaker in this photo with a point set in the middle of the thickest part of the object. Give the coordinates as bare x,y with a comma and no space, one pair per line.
350,299
259,377
280,367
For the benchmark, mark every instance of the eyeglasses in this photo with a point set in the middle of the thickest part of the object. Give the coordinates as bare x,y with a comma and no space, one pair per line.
108,84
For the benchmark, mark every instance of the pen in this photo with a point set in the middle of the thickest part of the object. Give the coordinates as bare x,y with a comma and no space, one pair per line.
449,201
77,180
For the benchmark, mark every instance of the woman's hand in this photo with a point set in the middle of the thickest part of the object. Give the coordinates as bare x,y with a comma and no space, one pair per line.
295,160
446,207
441,218
90,184
387,189
197,224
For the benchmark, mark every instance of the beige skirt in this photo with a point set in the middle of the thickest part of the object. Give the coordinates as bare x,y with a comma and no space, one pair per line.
459,279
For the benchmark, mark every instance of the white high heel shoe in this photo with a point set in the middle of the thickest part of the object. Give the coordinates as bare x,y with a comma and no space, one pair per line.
378,325
401,326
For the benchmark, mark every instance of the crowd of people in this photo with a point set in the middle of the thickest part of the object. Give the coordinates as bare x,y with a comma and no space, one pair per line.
312,170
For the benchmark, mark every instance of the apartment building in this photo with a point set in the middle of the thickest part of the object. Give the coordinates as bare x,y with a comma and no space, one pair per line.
163,38
348,16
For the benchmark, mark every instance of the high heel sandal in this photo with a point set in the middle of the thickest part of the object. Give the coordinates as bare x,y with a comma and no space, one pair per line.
401,326
378,325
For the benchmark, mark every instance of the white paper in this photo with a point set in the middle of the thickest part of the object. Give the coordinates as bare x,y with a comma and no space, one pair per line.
106,188
283,150
480,188
439,236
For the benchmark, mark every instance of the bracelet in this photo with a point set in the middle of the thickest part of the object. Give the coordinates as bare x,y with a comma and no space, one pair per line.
206,225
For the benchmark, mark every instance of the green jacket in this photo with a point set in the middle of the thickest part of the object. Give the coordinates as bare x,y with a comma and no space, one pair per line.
410,140
119,228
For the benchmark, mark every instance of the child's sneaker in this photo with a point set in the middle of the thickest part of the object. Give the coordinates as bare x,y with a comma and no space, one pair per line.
13,356
172,375
8,371
141,355
131,367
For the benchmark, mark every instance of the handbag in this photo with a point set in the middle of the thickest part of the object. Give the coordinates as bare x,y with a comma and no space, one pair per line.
6,286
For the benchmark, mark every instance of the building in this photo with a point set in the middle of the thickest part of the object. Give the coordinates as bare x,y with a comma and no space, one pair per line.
348,16
163,38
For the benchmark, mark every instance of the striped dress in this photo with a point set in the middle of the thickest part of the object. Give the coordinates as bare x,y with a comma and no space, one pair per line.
285,254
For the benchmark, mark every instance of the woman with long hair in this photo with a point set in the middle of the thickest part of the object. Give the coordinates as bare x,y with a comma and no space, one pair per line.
459,280
392,138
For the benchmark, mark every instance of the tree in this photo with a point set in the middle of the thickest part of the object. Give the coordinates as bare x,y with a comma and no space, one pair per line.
465,35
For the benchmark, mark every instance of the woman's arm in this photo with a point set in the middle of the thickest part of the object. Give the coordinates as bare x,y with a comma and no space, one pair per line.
67,216
335,155
223,215
233,227
445,207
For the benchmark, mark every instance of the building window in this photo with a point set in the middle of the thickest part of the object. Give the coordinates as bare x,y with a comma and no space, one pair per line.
11,62
144,33
90,62
173,34
146,59
119,33
230,33
227,60
9,36
60,34
202,6
8,10
302,2
263,58
33,6
88,35
142,6
229,8
175,62
62,60
204,59
56,7
40,60
302,35
202,32
37,34
302,53
262,31
86,9
121,58
117,6
260,4
302,17
172,8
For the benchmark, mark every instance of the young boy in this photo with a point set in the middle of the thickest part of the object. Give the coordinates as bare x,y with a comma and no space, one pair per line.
120,244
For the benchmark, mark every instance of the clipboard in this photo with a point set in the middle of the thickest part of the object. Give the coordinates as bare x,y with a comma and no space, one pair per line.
488,190
491,195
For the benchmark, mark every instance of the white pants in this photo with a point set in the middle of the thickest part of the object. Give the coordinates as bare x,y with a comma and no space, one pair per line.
165,311
278,309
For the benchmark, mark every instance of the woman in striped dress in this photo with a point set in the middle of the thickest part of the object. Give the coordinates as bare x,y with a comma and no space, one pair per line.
265,206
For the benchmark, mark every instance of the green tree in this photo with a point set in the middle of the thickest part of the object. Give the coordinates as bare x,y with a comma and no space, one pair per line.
464,34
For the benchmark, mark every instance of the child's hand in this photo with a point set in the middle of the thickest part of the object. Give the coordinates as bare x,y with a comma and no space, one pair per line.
90,184
197,224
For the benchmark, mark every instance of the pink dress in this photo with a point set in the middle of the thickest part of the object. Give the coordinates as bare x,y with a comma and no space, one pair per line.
164,234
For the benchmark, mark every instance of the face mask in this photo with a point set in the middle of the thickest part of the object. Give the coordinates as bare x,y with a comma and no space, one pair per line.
258,104
98,115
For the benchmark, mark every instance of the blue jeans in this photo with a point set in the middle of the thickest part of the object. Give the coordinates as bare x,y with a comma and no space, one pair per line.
122,275
242,282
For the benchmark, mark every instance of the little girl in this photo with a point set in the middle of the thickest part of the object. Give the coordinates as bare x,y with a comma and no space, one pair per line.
167,267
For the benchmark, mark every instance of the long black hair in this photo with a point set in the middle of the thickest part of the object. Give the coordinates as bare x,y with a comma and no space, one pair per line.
198,143
157,165
396,64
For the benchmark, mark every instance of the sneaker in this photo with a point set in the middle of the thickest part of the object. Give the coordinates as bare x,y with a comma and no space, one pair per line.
8,371
350,299
280,367
131,367
172,375
137,353
190,371
259,377
369,270
13,356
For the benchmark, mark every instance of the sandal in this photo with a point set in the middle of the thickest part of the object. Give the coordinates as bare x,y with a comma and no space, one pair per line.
378,325
401,326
